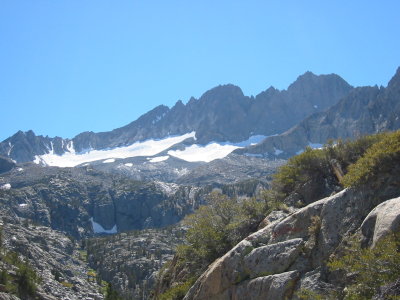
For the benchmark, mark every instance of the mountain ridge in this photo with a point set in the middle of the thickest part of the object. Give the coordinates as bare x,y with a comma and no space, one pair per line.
221,114
365,110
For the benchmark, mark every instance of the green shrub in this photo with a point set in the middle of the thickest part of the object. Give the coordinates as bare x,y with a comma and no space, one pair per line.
307,166
112,294
4,277
380,160
319,166
370,267
217,227
178,291
26,281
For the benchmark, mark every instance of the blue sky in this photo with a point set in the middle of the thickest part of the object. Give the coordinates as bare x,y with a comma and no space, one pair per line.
69,66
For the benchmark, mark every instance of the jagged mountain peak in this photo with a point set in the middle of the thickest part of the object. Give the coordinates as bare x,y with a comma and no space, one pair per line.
222,91
309,79
394,83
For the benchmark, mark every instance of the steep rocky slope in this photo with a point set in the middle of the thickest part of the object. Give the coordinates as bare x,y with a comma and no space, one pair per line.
365,110
231,169
83,201
221,114
52,255
130,261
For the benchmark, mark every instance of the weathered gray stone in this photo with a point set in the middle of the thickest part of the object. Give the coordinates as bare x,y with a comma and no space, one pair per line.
272,259
271,287
321,225
381,221
5,296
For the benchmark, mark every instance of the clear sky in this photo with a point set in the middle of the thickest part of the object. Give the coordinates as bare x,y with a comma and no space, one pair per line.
69,66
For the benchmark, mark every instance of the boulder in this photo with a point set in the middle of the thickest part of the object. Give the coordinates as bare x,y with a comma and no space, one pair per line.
299,243
382,220
268,287
272,259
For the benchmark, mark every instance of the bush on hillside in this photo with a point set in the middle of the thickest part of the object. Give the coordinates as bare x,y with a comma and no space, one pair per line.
215,228
382,159
370,268
321,167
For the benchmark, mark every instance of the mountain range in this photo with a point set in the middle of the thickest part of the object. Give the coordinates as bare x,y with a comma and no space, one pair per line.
222,115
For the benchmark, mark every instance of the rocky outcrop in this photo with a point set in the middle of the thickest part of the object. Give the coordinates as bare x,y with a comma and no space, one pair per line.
270,287
6,164
54,257
381,221
82,202
131,260
221,114
291,253
5,296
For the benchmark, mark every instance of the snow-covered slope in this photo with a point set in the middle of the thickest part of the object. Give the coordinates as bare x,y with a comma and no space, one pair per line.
150,148
145,148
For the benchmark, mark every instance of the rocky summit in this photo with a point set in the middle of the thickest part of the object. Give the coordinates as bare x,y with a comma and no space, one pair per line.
365,110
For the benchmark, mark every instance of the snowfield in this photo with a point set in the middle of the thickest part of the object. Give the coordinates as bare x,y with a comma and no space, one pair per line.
192,153
145,148
205,153
97,228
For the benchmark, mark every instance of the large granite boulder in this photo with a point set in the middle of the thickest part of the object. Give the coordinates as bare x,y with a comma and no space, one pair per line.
262,265
382,220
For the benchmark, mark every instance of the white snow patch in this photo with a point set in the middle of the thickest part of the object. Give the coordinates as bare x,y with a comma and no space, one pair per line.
20,169
145,148
158,158
110,160
5,187
97,228
253,154
212,151
253,140
278,151
158,118
315,145
315,106
129,165
205,153
9,150
23,204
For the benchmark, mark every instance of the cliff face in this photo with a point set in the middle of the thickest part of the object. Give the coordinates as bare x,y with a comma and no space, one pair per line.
83,202
52,255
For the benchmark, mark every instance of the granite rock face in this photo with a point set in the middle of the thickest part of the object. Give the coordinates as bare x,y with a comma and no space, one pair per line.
54,257
381,221
83,202
290,253
130,260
